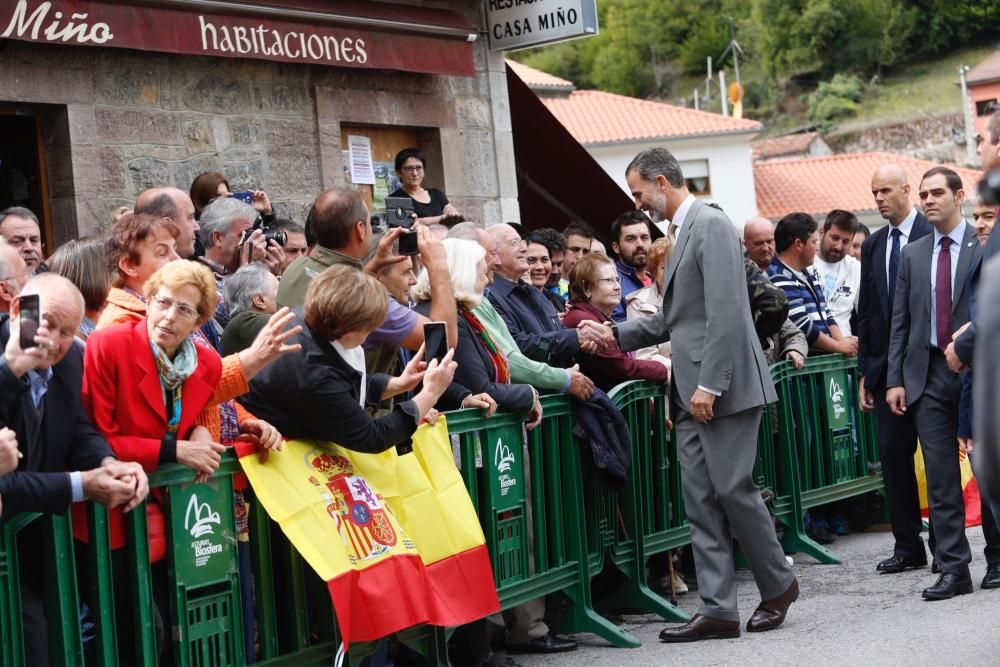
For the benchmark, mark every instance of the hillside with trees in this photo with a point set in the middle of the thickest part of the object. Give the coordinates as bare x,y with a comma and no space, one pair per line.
815,61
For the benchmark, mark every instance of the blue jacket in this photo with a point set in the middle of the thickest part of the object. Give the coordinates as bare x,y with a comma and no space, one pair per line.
630,283
534,323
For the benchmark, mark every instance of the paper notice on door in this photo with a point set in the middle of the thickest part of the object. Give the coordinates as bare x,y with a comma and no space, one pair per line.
362,169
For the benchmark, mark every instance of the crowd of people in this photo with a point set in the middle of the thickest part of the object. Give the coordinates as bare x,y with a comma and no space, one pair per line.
201,317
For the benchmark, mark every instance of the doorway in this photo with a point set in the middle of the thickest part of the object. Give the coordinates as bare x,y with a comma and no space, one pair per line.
23,174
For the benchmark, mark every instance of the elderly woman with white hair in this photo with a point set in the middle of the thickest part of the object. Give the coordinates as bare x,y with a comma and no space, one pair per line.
482,365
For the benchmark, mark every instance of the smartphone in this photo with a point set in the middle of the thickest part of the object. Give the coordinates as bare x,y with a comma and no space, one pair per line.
408,243
246,196
31,315
399,211
435,341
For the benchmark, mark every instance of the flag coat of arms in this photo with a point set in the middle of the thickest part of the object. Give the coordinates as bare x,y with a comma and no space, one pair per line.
396,537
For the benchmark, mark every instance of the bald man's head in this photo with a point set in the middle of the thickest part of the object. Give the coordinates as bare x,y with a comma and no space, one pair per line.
175,204
758,239
61,306
892,193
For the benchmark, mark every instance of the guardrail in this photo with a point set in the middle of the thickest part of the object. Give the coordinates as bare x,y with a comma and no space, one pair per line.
551,525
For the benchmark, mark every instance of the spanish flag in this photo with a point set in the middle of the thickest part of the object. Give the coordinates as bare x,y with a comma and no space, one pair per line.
395,537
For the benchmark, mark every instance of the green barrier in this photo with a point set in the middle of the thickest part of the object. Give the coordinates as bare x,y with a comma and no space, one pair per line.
646,517
550,523
823,448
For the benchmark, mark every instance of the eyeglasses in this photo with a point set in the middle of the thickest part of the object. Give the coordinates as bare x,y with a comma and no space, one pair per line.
616,280
515,244
414,169
183,310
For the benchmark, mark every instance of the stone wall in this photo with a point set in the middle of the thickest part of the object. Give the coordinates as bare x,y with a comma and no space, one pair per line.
123,121
926,139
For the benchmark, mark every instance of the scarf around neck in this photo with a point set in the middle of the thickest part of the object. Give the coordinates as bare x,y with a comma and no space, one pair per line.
172,376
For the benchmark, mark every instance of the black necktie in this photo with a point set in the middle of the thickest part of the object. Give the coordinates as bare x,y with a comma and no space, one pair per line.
893,266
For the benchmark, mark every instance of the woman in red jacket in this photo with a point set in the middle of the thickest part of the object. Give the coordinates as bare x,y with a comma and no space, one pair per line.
594,292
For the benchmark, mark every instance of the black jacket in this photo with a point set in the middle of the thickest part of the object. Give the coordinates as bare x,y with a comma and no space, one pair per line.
315,395
475,373
66,441
534,323
603,426
874,317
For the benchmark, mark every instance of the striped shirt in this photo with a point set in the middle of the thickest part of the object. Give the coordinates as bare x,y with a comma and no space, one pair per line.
807,307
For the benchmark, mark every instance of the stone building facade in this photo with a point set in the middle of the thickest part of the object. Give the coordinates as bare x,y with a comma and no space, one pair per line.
114,122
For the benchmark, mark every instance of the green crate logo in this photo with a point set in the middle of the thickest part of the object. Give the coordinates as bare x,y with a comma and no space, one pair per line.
837,399
503,459
199,520
838,413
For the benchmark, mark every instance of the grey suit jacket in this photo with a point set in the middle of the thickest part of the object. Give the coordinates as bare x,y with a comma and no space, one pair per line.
706,316
910,337
986,381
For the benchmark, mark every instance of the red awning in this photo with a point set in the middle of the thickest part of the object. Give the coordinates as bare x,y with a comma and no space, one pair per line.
557,179
341,34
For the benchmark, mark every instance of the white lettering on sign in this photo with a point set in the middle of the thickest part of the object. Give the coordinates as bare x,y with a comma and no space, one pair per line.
58,28
516,24
261,41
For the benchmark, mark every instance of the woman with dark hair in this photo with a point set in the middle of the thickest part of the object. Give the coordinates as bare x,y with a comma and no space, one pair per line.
211,184
594,293
83,263
430,205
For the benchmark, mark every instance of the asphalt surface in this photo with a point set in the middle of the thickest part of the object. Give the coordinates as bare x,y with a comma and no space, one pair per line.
846,615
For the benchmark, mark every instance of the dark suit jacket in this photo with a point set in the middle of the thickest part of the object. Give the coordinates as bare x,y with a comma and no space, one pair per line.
534,323
909,340
66,439
874,318
475,372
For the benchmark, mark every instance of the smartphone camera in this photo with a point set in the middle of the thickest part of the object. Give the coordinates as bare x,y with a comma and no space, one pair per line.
29,318
399,213
435,341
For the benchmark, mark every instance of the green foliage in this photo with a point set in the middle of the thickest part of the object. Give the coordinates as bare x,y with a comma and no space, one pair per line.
708,38
836,99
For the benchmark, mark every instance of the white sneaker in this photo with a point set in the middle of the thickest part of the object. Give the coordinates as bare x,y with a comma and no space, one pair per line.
680,587
789,560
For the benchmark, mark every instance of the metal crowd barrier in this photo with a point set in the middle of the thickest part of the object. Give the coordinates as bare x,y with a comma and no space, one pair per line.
552,524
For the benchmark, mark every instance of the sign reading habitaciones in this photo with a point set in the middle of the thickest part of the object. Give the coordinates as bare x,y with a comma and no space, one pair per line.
146,28
518,24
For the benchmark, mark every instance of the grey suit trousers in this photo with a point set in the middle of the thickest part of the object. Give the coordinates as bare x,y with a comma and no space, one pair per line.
721,501
935,414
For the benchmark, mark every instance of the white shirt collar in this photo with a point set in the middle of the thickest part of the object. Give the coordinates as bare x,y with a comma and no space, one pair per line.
681,213
906,226
956,235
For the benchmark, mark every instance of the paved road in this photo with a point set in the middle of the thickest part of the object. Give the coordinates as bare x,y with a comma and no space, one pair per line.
846,615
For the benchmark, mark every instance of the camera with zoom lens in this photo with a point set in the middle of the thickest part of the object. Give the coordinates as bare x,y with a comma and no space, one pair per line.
279,236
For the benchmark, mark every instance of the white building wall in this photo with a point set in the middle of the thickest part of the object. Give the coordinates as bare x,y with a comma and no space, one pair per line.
730,166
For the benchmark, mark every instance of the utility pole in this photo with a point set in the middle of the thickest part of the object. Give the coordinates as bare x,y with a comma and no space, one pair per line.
970,127
708,84
696,106
724,96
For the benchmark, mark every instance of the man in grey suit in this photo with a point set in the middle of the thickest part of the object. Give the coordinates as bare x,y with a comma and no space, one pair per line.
930,304
720,384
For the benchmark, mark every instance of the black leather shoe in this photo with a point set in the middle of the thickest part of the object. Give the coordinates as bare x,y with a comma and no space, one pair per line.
992,578
547,644
897,564
935,567
948,586
701,627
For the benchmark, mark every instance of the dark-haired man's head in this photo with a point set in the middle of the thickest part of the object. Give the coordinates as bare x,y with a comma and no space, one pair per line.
339,221
796,239
578,237
631,238
295,240
838,232
941,196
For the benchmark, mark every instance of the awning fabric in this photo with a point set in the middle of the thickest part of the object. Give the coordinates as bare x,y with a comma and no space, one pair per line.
557,179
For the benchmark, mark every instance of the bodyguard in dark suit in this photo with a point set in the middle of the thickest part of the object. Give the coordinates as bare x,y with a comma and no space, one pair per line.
929,305
720,383
897,434
64,458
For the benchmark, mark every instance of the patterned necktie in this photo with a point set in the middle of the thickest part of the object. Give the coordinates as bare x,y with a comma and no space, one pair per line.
893,266
942,295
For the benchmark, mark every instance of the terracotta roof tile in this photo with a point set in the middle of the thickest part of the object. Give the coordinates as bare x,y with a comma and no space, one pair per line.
986,71
790,144
595,117
536,78
821,184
